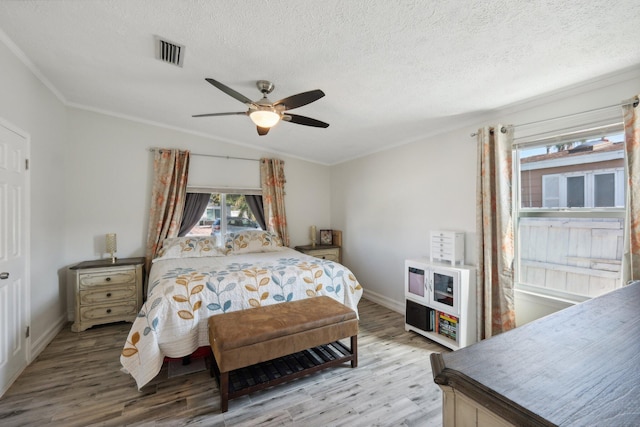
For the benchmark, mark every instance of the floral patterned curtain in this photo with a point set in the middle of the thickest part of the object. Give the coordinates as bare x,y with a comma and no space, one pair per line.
494,223
272,180
631,113
171,169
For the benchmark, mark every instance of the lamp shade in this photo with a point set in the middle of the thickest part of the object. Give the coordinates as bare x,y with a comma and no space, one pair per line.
111,243
264,118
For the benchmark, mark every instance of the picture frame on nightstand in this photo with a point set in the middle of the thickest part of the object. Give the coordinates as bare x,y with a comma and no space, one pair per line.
326,237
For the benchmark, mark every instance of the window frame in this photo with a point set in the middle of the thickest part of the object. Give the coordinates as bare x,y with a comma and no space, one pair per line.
566,179
557,197
587,212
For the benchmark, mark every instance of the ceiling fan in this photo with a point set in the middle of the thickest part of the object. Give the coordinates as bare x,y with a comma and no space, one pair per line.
266,114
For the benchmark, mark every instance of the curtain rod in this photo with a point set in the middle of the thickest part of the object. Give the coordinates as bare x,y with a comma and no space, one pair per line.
213,155
633,101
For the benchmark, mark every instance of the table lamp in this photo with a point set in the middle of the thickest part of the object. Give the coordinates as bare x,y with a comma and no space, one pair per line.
112,246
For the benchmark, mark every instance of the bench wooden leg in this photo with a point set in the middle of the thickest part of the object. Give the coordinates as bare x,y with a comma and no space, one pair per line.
354,350
224,391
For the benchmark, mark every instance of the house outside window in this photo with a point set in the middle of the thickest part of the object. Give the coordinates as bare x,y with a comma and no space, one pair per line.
588,189
570,205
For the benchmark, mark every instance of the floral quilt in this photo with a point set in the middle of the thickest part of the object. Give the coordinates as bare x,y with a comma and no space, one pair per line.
184,292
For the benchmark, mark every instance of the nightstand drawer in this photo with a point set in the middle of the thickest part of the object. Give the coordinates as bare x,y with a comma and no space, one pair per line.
111,278
102,295
328,254
332,254
105,313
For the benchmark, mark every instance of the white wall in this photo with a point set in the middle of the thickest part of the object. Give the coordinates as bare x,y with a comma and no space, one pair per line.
387,202
27,104
109,173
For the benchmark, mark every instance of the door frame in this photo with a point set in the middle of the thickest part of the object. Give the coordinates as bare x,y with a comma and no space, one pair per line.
26,224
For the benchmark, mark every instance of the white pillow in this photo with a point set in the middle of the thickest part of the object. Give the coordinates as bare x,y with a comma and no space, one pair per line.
189,247
247,241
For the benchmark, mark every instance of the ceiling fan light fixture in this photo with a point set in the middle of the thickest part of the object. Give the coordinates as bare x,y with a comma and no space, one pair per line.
266,114
264,118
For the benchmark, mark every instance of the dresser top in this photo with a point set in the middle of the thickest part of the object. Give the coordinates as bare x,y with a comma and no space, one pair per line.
576,367
101,263
316,247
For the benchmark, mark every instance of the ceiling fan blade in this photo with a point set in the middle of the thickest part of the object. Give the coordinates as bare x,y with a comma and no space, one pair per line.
226,89
304,98
262,131
242,113
302,120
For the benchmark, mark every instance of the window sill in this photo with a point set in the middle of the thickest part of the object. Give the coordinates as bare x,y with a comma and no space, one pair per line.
570,300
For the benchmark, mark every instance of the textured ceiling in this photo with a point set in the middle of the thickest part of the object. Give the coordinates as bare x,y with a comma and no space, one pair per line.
393,71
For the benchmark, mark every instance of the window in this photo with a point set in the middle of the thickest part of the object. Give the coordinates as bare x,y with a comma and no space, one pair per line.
593,189
226,212
569,213
575,191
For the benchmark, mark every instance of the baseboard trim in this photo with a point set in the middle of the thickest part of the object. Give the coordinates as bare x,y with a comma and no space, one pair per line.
393,305
41,343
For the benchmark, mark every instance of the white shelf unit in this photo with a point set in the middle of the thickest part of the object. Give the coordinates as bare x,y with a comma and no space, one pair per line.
441,302
447,246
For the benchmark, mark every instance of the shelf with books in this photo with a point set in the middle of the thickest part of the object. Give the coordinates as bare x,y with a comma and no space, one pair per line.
440,302
447,325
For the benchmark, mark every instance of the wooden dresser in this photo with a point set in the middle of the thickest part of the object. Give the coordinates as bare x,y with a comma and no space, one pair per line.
106,292
579,366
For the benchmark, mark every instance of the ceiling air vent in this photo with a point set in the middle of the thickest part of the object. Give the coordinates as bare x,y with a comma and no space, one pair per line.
170,52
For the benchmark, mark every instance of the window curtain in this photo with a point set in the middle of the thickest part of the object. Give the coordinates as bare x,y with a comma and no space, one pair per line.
171,169
194,206
257,209
631,114
494,224
272,181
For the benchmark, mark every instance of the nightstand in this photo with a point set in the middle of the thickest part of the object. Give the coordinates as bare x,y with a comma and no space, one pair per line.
328,252
107,292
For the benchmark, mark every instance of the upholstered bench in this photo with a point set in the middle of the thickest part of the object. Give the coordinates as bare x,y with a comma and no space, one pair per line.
308,328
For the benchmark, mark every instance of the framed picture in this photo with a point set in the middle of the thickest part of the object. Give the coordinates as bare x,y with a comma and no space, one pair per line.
326,237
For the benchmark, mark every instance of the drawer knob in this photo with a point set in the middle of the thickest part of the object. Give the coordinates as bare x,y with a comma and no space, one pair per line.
108,279
108,294
108,310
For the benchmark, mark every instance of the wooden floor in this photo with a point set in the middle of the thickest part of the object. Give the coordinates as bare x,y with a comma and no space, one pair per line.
76,381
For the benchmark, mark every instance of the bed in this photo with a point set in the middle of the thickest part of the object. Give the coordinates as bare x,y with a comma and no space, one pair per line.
193,278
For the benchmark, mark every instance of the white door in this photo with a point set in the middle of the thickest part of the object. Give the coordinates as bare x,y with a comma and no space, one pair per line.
13,255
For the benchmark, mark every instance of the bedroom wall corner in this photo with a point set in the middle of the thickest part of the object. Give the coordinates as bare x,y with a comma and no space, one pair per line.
307,199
